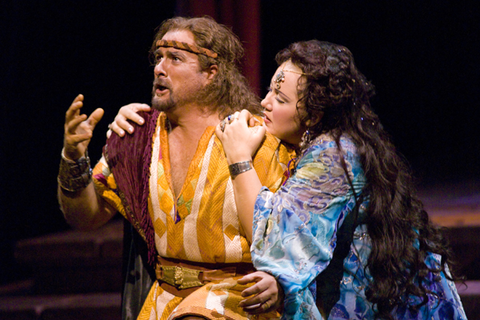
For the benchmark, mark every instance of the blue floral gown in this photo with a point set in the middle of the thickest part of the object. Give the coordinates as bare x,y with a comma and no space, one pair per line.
298,228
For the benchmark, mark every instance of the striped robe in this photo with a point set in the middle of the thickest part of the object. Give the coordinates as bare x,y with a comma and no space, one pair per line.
200,224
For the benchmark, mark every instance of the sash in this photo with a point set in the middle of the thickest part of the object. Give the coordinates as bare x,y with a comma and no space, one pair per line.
129,160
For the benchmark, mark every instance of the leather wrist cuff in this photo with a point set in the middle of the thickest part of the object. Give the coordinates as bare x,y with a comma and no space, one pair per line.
76,175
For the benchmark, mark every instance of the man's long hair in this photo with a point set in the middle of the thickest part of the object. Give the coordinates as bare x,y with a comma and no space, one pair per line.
229,91
400,230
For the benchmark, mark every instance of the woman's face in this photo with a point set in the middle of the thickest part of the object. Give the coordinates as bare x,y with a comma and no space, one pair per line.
281,113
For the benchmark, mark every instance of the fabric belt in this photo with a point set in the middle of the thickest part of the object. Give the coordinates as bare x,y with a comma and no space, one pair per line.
181,278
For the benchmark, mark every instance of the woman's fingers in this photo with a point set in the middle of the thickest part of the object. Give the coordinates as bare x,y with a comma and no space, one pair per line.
128,113
254,307
114,127
247,278
263,296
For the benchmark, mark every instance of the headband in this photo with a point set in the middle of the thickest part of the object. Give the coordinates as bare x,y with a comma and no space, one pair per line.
187,47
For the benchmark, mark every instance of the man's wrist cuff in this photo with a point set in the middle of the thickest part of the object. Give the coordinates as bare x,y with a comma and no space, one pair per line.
74,176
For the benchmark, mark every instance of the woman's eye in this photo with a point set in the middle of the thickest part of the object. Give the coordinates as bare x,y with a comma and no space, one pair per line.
279,100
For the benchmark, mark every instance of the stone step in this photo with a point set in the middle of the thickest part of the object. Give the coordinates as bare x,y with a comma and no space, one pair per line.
17,288
75,261
453,204
105,306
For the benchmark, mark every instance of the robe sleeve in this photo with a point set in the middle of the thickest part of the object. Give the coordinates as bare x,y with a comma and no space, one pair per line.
106,185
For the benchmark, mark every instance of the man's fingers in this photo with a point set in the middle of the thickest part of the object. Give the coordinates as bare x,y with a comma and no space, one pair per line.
72,125
80,97
74,109
80,128
95,117
74,140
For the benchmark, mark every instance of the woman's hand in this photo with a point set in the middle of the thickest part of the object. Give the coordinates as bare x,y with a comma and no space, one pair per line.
264,296
128,112
241,135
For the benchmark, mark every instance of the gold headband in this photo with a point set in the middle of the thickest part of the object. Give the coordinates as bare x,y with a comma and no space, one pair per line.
280,77
187,47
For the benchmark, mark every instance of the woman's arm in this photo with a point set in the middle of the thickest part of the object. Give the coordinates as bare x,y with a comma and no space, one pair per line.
240,141
246,187
295,228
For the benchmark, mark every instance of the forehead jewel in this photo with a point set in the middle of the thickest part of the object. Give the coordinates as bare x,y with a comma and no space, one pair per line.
280,76
187,47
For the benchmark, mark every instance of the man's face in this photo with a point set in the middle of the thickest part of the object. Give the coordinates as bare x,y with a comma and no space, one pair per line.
178,77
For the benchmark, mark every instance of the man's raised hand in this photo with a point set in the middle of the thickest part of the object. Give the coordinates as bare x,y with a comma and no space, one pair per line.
79,129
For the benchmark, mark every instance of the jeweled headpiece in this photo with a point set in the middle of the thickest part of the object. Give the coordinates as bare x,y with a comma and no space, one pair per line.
280,77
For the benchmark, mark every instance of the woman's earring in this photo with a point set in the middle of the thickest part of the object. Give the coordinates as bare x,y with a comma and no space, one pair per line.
305,139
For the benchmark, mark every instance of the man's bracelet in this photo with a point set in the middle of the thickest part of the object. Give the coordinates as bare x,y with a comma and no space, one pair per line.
239,167
74,176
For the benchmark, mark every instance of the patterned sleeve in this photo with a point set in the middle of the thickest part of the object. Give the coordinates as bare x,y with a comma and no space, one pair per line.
106,186
295,228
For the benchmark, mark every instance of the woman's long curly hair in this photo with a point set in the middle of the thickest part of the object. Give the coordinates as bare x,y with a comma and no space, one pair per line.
229,91
401,233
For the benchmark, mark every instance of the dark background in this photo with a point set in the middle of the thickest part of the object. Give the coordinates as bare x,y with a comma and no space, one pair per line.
423,57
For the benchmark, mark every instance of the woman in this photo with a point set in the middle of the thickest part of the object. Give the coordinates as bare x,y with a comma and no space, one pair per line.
345,230
347,216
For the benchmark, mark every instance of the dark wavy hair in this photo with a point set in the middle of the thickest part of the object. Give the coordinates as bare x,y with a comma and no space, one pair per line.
337,97
229,91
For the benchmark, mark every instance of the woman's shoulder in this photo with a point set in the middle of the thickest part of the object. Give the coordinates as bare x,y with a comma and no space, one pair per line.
324,150
326,142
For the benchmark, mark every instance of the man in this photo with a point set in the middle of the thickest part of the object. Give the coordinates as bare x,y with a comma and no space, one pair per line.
171,181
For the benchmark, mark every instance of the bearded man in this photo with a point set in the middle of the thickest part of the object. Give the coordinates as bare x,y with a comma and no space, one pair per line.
171,182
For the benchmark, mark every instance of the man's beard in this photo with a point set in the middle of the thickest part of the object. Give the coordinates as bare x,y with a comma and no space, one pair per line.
195,95
160,103
163,105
